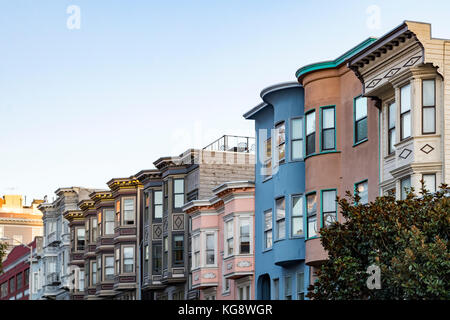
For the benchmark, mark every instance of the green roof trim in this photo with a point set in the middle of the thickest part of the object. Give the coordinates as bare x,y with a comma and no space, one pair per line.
334,63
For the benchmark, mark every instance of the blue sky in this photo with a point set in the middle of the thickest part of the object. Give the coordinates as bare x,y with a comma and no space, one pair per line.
145,79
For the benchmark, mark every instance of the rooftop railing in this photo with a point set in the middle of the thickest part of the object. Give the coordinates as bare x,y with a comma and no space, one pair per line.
233,144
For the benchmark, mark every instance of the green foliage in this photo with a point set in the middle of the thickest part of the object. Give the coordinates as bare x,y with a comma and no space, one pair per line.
3,247
407,239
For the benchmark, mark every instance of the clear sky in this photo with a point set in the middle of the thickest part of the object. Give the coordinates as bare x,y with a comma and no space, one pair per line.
142,79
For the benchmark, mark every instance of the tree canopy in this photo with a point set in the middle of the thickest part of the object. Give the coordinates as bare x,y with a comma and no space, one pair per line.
406,239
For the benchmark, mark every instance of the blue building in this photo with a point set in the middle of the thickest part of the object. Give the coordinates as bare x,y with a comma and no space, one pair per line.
280,271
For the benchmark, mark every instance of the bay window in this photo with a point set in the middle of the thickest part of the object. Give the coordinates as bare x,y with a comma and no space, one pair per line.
297,216
310,133
297,139
268,229
428,106
157,204
329,207
281,140
311,206
360,125
128,259
128,211
392,114
328,129
178,193
109,267
281,218
244,236
210,249
178,250
229,238
109,221
405,111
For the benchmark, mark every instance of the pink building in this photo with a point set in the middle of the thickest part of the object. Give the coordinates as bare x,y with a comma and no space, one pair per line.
222,242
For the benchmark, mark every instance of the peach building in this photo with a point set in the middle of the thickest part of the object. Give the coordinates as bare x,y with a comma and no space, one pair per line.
18,221
221,242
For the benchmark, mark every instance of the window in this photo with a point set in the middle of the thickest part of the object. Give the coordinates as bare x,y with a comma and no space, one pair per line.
4,289
196,244
99,225
109,268
157,205
300,286
128,259
146,207
310,133
166,252
94,229
430,182
178,249
405,111
117,267
229,238
86,228
94,273
296,139
128,211
267,166
329,207
276,289
12,285
146,258
287,288
109,221
405,185
87,274
281,218
428,106
360,119
99,268
281,141
328,129
19,281
27,277
361,188
210,248
311,204
244,292
80,239
392,113
80,280
244,236
166,196
297,216
268,229
157,258
118,212
178,193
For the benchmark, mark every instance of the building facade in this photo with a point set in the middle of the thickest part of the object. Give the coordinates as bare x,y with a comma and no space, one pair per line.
407,72
15,277
59,241
166,251
341,146
18,221
280,271
222,242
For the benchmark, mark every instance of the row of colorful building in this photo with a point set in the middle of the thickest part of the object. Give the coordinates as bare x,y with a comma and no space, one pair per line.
240,218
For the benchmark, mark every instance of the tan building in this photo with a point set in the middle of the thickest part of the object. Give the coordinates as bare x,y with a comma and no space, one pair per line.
18,221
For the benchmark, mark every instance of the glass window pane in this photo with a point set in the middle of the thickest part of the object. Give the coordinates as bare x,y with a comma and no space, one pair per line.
360,108
310,123
406,125
297,206
179,200
281,152
297,226
405,185
430,182
297,149
297,129
405,98
328,118
281,208
312,226
328,139
428,92
158,197
392,141
429,120
158,211
392,115
362,189
311,144
281,133
128,252
329,201
361,130
268,220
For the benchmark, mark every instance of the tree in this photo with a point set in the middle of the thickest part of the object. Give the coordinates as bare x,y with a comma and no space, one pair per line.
407,240
3,247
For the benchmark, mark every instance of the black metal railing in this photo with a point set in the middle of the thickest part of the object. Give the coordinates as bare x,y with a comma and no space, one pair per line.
233,144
